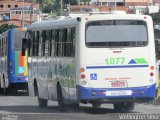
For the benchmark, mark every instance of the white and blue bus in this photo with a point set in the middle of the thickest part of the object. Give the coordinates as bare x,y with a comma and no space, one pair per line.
13,66
97,58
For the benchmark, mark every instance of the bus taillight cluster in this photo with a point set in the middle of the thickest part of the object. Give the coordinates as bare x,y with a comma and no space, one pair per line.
82,75
151,73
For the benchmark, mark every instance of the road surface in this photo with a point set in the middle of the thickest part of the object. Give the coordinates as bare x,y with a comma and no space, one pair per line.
26,108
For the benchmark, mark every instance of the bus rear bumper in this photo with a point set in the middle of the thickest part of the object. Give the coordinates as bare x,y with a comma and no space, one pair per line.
20,79
137,94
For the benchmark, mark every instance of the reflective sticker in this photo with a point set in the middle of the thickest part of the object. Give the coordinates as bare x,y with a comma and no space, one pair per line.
141,61
132,62
138,61
21,70
93,76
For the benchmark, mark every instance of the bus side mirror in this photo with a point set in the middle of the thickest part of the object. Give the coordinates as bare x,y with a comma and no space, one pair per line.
24,45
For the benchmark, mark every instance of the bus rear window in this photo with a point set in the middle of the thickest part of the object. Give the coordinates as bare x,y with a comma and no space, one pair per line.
18,35
116,33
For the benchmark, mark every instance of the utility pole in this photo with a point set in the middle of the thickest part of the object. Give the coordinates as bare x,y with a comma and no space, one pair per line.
115,5
31,13
22,22
78,2
61,2
69,6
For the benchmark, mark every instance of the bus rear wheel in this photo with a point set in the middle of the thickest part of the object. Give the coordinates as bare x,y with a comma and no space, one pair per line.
5,89
42,102
96,105
60,98
124,107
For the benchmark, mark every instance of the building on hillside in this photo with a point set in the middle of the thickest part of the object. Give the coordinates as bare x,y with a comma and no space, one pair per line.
130,6
29,14
111,2
139,2
19,11
125,2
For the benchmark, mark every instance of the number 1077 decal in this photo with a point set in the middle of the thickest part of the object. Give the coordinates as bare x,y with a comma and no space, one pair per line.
113,61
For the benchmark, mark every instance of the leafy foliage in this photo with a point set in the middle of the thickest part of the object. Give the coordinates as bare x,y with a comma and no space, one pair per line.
54,6
72,2
47,6
5,27
85,1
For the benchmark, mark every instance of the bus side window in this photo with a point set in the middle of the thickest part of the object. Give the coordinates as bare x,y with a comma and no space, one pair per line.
6,45
73,39
43,42
69,43
50,43
47,39
34,44
37,43
64,42
60,43
2,47
30,38
53,43
40,44
56,42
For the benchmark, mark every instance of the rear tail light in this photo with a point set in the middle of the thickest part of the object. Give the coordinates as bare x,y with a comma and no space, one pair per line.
83,76
151,67
82,70
151,74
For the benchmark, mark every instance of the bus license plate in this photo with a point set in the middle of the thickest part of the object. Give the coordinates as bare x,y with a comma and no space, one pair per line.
118,93
118,84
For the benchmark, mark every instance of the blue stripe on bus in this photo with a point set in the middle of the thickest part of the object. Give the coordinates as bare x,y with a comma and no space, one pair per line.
121,66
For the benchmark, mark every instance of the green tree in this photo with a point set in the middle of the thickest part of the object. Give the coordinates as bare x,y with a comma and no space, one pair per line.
50,6
47,6
71,2
54,6
85,1
5,27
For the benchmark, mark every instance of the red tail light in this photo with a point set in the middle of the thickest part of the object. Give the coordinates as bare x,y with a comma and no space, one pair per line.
151,74
83,76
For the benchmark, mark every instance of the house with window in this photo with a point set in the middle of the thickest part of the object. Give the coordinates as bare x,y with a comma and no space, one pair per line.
18,11
130,6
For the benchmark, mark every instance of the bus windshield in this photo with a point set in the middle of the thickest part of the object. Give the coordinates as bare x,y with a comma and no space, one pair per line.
18,35
116,33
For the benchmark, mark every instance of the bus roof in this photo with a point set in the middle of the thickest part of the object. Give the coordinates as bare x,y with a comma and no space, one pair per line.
70,22
48,24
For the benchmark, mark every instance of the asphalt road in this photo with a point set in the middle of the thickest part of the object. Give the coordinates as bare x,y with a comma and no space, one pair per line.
26,108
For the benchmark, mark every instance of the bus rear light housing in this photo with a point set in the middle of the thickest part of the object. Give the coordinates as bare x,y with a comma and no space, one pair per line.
84,83
82,70
151,67
83,76
151,74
